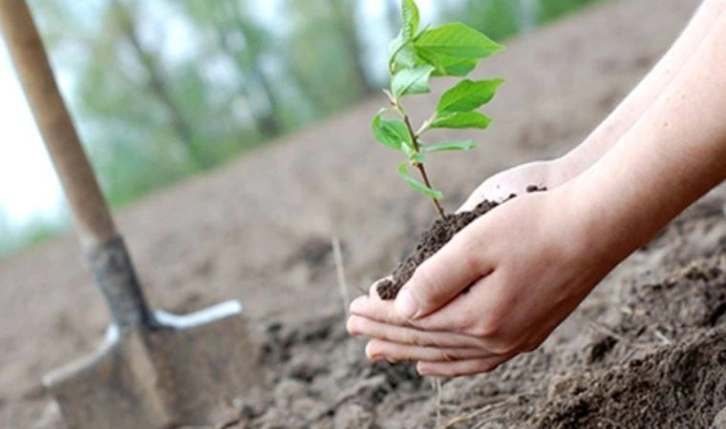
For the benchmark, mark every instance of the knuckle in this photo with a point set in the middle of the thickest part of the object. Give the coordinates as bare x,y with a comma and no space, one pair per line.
507,346
426,280
472,264
486,327
415,340
470,246
448,356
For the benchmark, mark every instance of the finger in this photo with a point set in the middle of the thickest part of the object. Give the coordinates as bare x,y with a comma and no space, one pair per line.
461,367
358,325
477,314
444,275
396,352
385,312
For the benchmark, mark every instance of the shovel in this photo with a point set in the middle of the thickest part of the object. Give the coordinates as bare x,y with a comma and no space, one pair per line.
154,369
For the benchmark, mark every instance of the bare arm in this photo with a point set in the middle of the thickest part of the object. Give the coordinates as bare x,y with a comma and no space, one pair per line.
529,263
637,103
672,156
561,170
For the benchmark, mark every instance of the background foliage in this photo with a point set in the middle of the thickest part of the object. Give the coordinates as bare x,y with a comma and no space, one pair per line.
165,89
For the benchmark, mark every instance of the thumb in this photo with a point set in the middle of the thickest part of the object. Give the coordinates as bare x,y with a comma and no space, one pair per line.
442,277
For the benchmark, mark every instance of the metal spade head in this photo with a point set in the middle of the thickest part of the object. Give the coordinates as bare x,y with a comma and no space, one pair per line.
182,371
154,369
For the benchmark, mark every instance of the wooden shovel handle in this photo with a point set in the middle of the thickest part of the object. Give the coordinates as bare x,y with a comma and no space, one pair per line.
88,206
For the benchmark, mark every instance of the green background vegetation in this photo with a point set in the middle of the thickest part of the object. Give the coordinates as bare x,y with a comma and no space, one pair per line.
165,89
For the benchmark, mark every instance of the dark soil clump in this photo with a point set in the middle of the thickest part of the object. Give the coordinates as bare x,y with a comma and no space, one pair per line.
433,239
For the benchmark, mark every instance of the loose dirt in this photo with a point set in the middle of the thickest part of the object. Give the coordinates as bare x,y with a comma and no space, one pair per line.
645,350
431,240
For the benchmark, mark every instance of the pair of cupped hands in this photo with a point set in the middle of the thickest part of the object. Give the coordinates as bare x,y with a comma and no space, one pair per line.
497,289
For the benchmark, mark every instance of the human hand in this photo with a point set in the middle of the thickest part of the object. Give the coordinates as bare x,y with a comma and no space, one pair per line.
513,181
497,289
516,180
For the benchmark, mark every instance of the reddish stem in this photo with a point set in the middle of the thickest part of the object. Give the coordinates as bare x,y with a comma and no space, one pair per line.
420,166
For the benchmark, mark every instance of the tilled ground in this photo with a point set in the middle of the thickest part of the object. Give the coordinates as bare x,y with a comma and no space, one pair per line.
644,350
648,350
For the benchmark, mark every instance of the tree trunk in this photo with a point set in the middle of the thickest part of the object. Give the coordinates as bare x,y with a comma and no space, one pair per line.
345,20
269,120
264,125
158,88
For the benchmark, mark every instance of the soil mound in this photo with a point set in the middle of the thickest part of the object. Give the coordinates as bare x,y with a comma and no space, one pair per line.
259,230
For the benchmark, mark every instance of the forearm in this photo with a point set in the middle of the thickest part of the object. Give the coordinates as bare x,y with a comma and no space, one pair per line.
668,159
632,108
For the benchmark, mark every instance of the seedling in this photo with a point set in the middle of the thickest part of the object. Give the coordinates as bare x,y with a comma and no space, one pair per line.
415,57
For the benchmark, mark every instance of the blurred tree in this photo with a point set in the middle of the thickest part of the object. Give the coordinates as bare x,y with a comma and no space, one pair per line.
125,17
163,89
497,18
124,132
319,57
553,9
246,44
344,18
527,12
150,113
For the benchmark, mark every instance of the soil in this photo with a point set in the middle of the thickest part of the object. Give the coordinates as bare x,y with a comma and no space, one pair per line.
432,239
644,350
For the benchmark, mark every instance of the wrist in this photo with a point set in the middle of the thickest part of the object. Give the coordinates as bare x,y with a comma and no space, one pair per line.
565,168
604,228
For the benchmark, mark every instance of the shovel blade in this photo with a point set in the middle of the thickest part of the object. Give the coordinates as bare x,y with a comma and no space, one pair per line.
185,371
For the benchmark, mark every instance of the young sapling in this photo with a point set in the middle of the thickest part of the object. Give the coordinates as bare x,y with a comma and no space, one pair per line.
415,56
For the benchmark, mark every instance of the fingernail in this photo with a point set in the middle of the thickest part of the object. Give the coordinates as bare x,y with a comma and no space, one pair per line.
405,305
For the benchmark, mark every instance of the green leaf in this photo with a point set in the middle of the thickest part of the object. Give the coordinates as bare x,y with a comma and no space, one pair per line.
457,40
412,155
415,184
461,120
402,54
419,158
390,132
445,65
453,145
456,67
411,18
468,95
412,81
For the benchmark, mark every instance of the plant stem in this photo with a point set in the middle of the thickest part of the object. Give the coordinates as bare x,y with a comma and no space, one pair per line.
418,165
425,178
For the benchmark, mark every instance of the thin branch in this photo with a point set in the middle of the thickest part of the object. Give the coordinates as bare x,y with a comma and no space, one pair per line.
418,165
